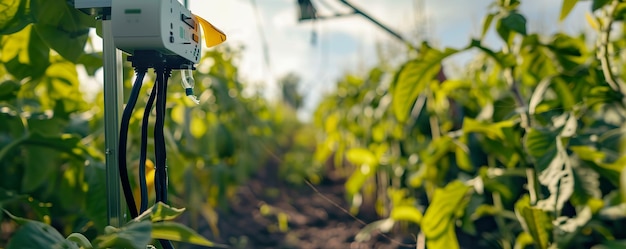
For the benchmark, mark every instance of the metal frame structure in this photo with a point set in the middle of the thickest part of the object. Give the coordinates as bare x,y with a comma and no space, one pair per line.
113,99
308,12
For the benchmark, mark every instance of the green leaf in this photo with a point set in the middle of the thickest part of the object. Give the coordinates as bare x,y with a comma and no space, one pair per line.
177,232
91,61
515,22
64,28
541,145
414,77
438,222
360,156
567,7
95,205
161,212
535,222
486,24
9,90
588,153
523,240
133,235
70,45
504,60
24,54
463,160
14,16
597,4
491,130
35,234
384,225
355,182
406,213
80,240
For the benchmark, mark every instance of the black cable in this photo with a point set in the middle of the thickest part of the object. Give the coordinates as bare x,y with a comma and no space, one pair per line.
159,139
157,148
142,155
160,176
128,110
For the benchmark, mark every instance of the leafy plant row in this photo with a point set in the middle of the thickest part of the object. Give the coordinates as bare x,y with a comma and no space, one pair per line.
524,148
52,133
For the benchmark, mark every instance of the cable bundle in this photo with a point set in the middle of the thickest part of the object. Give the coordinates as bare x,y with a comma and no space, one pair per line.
158,93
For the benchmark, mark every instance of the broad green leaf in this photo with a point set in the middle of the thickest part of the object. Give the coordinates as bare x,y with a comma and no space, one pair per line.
438,222
597,4
503,31
567,7
541,145
177,232
9,90
414,77
33,175
360,156
406,213
14,16
135,235
62,88
535,222
515,22
35,234
70,45
24,54
64,28
586,186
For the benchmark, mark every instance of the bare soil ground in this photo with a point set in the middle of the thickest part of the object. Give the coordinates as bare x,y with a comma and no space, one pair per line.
316,218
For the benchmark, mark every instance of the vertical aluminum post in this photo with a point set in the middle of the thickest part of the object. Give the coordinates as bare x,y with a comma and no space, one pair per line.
113,95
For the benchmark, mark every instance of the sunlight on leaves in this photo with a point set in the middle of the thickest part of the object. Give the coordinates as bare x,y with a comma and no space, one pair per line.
439,221
535,222
414,77
177,232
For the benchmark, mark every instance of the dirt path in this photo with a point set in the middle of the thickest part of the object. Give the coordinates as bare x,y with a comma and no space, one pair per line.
310,219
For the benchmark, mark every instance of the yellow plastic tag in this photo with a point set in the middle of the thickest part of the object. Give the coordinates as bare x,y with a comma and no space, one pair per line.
212,35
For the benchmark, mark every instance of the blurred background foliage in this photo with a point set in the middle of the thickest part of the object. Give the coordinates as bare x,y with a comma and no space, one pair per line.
524,148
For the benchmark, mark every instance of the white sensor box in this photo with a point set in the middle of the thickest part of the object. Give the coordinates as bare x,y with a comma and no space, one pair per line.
165,26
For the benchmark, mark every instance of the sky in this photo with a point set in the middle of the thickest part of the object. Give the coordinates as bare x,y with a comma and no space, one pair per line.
348,44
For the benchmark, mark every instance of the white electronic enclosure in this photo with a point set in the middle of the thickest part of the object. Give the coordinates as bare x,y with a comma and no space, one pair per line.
165,26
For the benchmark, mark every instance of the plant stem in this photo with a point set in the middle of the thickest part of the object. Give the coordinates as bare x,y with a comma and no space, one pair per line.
506,234
604,45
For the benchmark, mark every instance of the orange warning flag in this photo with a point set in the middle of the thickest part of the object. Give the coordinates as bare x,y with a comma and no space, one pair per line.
212,35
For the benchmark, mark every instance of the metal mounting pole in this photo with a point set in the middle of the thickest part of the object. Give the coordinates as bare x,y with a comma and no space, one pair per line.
112,105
